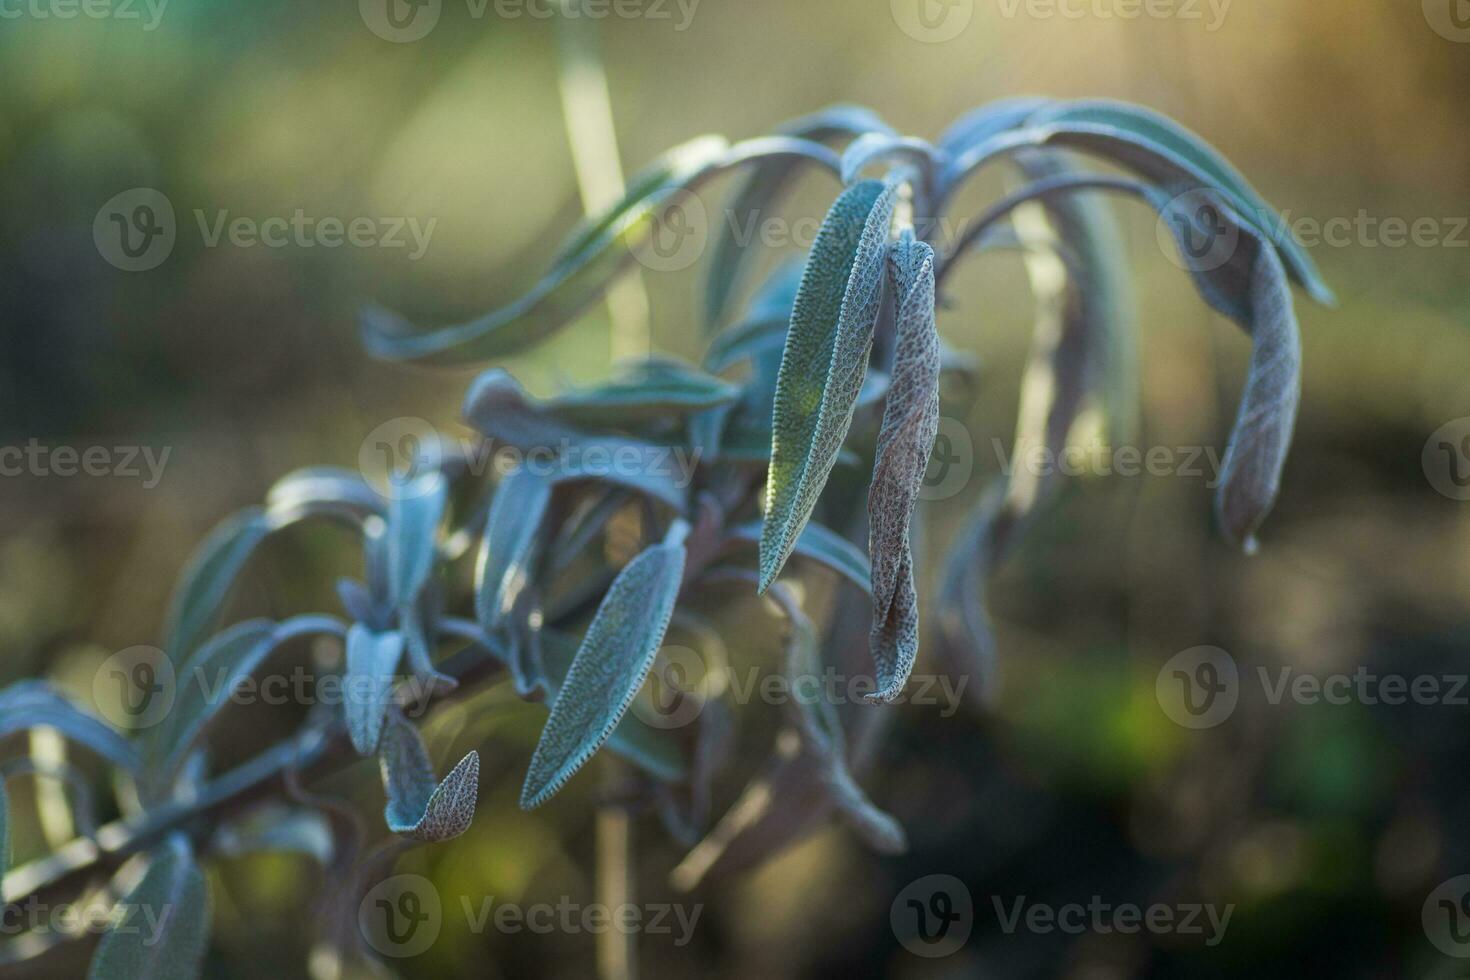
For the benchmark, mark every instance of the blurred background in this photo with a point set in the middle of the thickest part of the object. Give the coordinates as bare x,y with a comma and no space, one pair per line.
1325,827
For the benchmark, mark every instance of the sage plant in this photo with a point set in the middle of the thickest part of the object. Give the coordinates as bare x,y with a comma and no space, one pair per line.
810,424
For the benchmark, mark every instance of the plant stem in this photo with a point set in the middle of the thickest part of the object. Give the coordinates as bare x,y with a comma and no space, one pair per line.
617,950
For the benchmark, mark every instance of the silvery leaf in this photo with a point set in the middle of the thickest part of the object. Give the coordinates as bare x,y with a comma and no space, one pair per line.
509,543
646,390
372,665
614,658
419,807
825,361
28,704
413,534
205,581
323,491
870,148
822,545
164,929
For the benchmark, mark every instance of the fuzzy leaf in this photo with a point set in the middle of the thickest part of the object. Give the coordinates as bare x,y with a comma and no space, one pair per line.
969,141
413,529
28,704
165,930
1177,161
587,263
610,666
372,664
825,362
823,545
1250,288
905,443
646,390
205,582
757,196
509,543
764,325
419,807
499,407
870,148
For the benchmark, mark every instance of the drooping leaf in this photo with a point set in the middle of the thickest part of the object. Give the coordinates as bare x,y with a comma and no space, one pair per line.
509,544
205,582
586,264
825,361
372,664
969,141
764,324
325,491
757,196
28,704
822,545
1177,161
646,390
614,658
499,407
1251,288
420,807
415,623
413,529
870,148
905,443
164,931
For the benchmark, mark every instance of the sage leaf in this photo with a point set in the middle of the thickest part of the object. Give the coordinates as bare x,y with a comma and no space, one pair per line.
870,148
322,491
822,545
647,390
1175,159
413,529
825,361
499,407
757,196
372,664
1251,288
509,544
419,807
970,141
164,930
586,264
205,582
905,443
611,664
29,704
275,829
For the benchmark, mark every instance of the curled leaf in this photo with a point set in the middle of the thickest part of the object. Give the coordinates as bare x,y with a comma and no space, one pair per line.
905,443
419,807
610,666
825,361
322,491
163,931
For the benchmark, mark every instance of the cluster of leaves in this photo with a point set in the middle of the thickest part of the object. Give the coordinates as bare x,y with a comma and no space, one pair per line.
831,369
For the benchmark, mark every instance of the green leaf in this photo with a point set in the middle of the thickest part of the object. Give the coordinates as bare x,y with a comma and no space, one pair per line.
413,532
29,704
764,325
419,807
586,264
758,195
823,545
1175,159
825,361
905,443
657,751
1251,288
499,407
164,932
508,546
372,664
971,139
322,491
205,582
610,666
646,390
